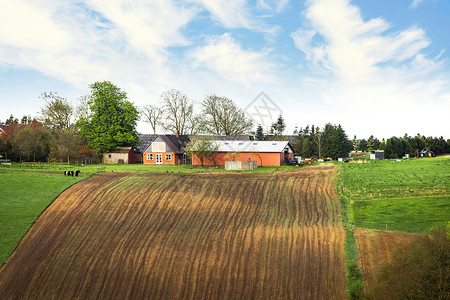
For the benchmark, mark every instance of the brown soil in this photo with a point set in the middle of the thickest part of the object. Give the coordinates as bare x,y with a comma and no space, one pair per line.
375,248
185,236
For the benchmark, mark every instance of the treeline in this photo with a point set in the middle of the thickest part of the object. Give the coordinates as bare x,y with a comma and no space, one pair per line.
397,147
332,141
31,140
106,119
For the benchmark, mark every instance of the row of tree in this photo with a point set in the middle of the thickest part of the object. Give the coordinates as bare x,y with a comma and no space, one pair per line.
175,113
332,141
106,119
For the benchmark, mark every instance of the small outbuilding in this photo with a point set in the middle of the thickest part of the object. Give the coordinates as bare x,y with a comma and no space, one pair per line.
120,155
376,154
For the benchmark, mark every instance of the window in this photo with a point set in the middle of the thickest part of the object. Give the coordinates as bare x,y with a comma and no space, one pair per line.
255,143
109,155
226,143
159,147
150,156
241,144
168,156
274,144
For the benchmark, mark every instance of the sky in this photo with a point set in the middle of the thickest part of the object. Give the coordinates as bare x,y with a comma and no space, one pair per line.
376,67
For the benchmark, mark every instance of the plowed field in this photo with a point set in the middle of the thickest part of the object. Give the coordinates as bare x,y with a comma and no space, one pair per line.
186,236
376,247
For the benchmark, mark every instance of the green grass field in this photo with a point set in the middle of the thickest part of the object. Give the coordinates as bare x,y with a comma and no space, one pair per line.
91,169
412,195
23,196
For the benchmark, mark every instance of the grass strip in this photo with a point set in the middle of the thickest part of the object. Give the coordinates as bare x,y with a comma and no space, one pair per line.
355,285
136,168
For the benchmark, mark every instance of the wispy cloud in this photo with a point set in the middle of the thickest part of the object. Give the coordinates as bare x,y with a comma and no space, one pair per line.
365,63
92,39
273,5
238,14
416,3
224,56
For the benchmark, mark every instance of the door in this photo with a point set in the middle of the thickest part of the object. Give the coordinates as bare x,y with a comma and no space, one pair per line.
158,159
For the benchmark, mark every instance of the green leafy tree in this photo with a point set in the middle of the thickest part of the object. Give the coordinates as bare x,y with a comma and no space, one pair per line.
112,120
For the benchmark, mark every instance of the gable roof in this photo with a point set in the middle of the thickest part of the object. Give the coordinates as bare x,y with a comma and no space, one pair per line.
144,141
253,146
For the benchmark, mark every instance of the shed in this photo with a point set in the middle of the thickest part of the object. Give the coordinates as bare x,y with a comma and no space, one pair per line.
120,155
376,154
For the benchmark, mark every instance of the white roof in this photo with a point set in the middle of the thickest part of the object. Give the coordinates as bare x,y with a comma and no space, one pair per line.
252,146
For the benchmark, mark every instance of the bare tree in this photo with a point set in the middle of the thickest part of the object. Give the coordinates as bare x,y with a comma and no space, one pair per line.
178,112
57,111
221,116
152,114
82,110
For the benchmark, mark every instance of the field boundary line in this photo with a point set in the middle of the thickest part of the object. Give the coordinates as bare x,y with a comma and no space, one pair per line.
355,285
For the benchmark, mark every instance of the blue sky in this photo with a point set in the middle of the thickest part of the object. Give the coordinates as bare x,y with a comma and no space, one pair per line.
376,67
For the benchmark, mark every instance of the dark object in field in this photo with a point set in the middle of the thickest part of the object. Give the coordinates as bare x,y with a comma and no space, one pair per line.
77,172
65,173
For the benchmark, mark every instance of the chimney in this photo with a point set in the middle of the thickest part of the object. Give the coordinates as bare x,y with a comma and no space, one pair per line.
178,135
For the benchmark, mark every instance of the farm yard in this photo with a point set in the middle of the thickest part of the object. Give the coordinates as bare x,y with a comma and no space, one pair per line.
190,236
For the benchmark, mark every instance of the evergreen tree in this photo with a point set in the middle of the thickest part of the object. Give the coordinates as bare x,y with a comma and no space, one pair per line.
259,136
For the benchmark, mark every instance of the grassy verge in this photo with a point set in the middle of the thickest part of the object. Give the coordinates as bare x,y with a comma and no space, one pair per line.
91,169
355,285
24,195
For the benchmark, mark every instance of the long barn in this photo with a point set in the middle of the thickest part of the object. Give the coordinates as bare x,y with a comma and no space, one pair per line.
266,153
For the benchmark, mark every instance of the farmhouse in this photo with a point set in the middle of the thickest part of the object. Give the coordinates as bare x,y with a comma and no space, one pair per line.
168,149
265,153
121,155
165,150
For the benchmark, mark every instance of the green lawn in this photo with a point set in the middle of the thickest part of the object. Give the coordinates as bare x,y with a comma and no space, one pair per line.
412,195
23,196
133,168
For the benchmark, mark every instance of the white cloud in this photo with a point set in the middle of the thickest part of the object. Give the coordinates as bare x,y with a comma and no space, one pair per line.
273,5
364,62
224,55
416,3
89,40
233,14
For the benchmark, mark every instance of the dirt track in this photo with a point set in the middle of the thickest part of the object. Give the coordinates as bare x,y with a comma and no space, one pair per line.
186,236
